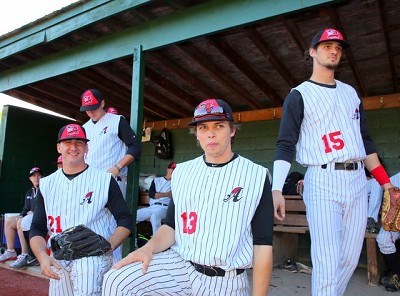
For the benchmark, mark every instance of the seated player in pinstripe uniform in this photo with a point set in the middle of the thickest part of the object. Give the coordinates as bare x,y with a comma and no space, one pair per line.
323,122
160,195
219,223
78,194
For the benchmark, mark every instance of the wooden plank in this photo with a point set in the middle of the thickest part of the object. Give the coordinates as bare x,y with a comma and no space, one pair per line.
291,229
293,220
295,206
369,103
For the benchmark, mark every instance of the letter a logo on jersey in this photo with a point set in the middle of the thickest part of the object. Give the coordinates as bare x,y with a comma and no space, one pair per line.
234,195
87,198
356,114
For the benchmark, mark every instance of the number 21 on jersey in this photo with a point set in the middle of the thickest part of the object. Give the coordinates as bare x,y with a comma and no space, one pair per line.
55,224
333,141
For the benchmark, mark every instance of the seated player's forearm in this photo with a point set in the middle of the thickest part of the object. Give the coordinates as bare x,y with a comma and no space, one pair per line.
119,236
38,246
162,240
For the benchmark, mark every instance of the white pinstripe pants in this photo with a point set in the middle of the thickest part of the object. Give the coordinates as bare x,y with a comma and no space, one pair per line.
169,274
386,241
337,204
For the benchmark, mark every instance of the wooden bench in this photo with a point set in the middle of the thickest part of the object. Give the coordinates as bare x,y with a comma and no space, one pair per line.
286,238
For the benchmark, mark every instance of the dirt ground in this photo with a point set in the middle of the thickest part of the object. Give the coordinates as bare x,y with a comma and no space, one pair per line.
15,283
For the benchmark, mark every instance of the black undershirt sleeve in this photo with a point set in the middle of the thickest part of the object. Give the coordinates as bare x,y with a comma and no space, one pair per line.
128,136
263,221
368,143
118,206
170,219
152,189
39,220
289,129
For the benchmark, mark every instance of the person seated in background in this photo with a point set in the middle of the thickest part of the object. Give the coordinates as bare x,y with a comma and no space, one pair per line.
387,246
160,195
21,224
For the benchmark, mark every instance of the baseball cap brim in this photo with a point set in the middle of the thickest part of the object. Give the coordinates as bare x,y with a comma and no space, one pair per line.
212,117
35,170
91,107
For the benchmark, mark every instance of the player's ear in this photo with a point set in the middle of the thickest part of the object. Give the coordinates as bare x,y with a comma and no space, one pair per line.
312,51
58,148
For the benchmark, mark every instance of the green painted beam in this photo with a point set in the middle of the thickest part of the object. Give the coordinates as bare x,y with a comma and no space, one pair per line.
65,23
136,124
193,22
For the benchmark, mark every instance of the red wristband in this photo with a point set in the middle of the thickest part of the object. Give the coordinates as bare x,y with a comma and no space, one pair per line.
380,175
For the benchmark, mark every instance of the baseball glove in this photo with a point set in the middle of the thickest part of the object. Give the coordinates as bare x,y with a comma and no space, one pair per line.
390,214
78,242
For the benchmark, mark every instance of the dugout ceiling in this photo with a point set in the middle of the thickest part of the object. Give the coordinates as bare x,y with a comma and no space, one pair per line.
250,53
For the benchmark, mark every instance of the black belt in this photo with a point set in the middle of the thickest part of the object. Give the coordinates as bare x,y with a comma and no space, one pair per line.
160,204
346,166
212,271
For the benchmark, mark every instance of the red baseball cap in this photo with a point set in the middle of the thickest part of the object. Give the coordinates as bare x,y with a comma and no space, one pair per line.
91,100
212,110
72,131
329,34
112,110
172,165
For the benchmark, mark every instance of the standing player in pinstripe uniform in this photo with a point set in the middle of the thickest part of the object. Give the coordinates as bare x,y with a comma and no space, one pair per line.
387,245
323,120
113,144
78,194
219,223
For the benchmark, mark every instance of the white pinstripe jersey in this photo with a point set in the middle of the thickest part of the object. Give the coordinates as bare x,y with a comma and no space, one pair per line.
214,207
81,200
105,147
162,185
330,131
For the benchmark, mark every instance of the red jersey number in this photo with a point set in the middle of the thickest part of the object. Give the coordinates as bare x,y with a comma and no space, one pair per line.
189,222
55,224
333,141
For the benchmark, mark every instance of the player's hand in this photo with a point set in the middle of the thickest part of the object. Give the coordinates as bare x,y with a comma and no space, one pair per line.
46,264
279,205
387,186
143,254
114,171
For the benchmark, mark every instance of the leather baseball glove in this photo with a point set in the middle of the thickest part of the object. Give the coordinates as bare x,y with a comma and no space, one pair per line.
390,213
78,242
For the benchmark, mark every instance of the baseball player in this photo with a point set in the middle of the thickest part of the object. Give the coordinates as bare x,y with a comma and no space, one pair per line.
21,224
324,122
59,162
78,194
160,195
219,223
113,144
386,242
